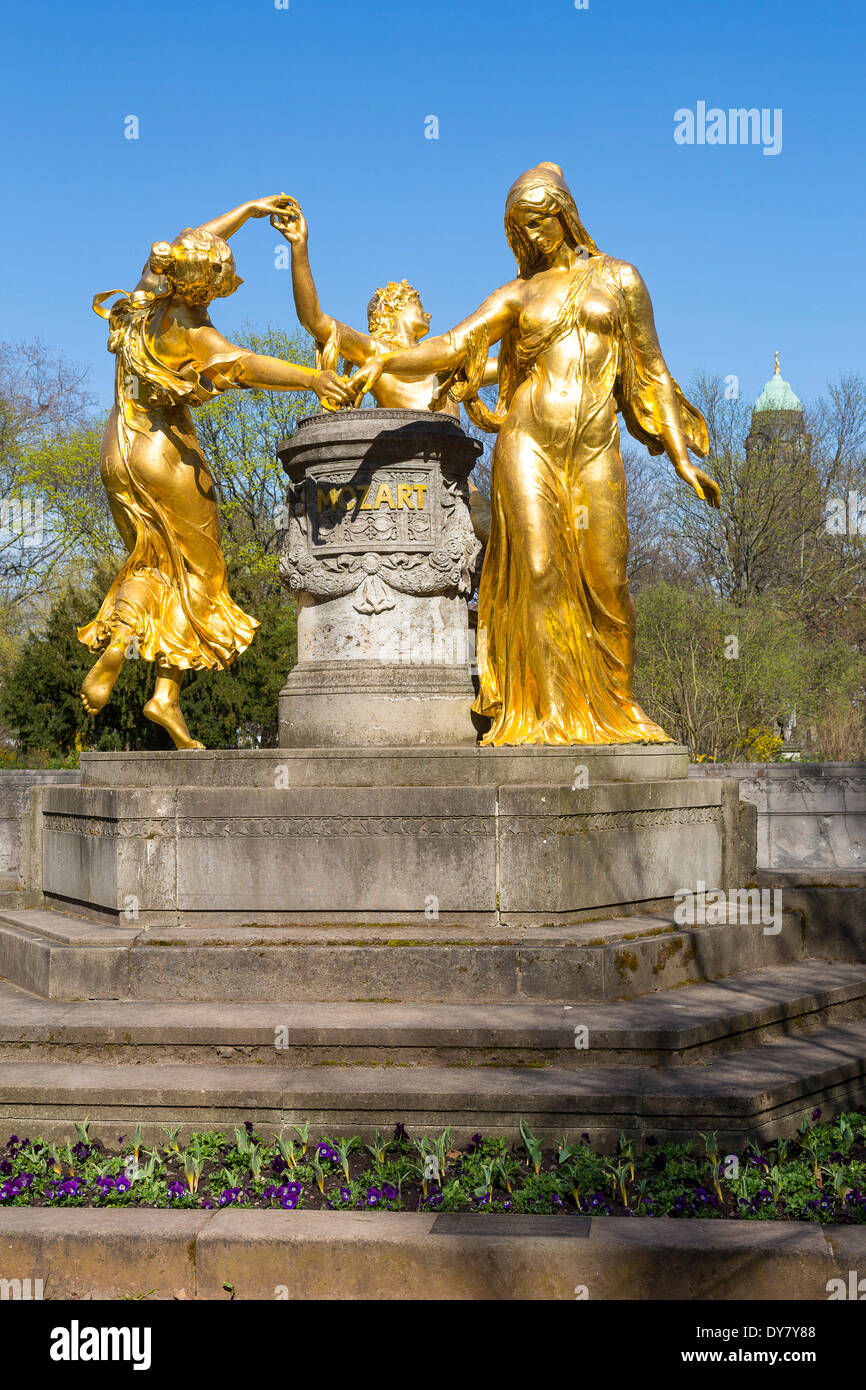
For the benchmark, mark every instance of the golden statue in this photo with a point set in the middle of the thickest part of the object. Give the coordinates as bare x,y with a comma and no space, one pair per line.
396,319
170,603
577,344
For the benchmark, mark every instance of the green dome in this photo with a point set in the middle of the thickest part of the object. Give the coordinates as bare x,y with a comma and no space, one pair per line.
777,395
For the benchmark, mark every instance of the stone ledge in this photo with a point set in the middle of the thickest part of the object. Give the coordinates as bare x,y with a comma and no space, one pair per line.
418,766
60,958
307,1256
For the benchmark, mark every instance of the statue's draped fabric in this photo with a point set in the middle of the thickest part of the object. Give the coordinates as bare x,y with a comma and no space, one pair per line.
171,592
555,619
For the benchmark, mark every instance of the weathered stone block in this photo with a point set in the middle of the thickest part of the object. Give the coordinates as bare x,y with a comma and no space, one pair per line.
380,551
564,851
235,850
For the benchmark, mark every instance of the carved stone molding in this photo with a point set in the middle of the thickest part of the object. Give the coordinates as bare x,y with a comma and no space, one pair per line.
377,504
579,824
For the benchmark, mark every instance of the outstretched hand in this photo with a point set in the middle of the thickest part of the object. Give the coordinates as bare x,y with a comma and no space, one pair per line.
706,487
366,377
332,390
271,207
291,224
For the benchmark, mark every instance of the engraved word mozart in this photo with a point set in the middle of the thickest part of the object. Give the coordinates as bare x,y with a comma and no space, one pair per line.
409,495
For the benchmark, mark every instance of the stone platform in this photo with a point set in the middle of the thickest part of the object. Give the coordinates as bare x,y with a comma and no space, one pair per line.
460,836
425,928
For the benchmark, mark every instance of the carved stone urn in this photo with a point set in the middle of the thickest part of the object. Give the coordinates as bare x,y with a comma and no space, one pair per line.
380,552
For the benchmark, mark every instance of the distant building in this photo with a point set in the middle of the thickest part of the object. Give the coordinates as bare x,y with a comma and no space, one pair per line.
778,422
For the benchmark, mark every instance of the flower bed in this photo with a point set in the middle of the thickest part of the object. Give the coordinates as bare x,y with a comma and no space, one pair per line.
818,1176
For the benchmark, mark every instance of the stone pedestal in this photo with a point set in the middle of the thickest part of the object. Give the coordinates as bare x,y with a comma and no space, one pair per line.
379,550
493,839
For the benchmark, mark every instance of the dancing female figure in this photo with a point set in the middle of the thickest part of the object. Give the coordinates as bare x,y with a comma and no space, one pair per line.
578,342
170,603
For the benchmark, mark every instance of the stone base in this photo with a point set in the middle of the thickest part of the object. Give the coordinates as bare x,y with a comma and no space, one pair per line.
507,841
373,703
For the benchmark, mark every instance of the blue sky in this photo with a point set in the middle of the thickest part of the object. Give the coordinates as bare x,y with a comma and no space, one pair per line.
327,99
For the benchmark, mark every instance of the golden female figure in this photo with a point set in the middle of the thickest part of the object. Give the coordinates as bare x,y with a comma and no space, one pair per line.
170,603
578,343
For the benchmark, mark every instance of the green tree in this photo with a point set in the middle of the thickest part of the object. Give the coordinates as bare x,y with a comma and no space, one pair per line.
770,537
712,672
42,397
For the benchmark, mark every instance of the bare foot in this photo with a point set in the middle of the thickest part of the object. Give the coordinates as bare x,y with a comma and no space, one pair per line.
168,714
99,682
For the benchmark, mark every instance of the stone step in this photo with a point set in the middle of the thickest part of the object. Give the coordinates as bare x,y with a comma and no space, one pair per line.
755,1094
14,894
673,1028
57,956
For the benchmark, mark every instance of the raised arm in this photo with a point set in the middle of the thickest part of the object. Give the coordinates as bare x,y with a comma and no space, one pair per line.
495,316
664,400
229,223
354,346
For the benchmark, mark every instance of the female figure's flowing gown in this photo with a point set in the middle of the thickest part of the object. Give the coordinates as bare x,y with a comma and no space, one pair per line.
171,591
555,619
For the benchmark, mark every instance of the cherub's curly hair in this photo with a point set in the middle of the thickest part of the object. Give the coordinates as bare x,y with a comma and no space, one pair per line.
386,305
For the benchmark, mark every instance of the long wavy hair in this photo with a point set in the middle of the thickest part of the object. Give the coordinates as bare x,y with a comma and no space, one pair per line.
183,268
540,189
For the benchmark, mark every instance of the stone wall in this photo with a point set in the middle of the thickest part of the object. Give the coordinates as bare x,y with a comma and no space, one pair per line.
14,803
810,815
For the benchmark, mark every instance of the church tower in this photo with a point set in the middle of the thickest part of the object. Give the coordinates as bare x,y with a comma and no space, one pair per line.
778,423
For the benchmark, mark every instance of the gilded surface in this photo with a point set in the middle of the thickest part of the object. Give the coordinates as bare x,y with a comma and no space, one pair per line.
396,319
170,602
578,343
